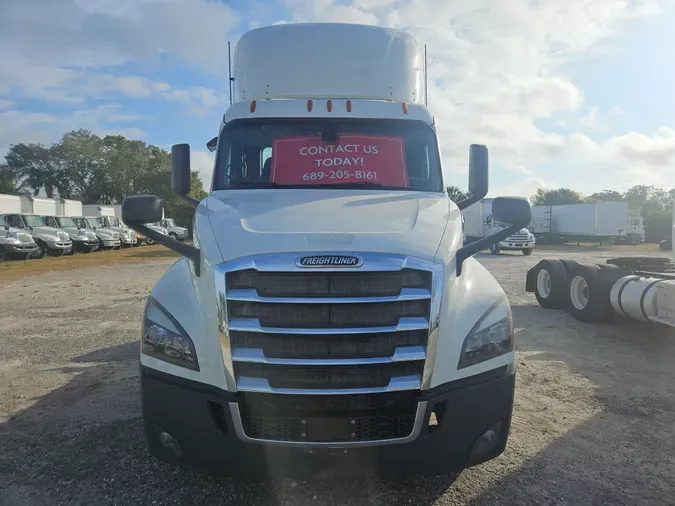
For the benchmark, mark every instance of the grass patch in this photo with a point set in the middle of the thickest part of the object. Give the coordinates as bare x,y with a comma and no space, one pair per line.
17,269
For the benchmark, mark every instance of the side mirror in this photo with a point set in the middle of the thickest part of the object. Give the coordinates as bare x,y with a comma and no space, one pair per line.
515,212
140,210
212,144
180,173
479,169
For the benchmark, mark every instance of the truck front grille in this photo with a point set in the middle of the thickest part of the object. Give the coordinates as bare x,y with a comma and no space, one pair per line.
302,334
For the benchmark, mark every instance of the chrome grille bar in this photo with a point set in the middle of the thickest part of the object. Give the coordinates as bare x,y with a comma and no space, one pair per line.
253,325
257,356
262,385
251,295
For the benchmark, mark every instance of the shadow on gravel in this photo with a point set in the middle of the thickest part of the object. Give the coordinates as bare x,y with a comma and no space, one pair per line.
623,453
83,443
156,253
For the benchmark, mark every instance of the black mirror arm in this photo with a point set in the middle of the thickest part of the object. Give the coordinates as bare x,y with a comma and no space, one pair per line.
471,249
463,204
186,250
192,202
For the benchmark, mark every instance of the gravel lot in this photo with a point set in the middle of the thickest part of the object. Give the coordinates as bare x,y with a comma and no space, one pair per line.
594,421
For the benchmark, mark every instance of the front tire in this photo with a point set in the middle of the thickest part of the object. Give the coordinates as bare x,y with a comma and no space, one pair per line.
528,251
41,250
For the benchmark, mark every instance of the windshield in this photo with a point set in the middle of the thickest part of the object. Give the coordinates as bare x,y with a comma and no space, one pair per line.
326,153
50,221
89,222
34,221
113,221
170,223
66,222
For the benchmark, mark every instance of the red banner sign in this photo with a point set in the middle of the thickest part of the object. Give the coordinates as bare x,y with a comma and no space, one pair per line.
354,158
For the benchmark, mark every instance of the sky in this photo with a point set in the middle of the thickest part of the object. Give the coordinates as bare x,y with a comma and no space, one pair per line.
566,93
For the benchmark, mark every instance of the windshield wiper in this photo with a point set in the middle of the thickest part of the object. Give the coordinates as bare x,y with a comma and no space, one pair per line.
357,185
257,184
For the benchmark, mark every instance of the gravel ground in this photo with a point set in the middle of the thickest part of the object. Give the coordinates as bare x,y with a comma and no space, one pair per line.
593,421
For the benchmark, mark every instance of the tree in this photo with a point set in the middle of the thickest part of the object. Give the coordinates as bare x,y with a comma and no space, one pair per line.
605,196
558,196
456,194
7,180
34,166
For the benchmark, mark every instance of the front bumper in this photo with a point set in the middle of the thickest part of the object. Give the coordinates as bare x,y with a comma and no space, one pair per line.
59,245
199,418
19,249
84,244
128,241
515,245
111,243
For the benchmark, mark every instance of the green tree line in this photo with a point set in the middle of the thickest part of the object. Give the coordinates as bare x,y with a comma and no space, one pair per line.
95,170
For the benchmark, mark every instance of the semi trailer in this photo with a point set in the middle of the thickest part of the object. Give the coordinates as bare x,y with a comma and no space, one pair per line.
327,316
640,287
595,221
479,223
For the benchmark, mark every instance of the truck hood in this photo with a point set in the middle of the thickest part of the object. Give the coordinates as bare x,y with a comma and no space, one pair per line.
247,222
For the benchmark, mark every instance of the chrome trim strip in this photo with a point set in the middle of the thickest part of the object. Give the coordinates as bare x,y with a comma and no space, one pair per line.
262,385
253,325
257,356
420,414
251,295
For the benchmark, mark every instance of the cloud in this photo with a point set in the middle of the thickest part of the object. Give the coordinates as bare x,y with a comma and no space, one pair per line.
18,126
496,69
496,75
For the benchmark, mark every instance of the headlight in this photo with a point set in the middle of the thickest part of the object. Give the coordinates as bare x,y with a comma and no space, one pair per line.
164,338
12,240
491,337
104,237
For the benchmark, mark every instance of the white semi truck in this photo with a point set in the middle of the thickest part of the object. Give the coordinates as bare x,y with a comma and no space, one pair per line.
479,223
641,287
328,315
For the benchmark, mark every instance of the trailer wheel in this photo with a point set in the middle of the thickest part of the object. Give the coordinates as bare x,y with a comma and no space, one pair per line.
589,295
551,282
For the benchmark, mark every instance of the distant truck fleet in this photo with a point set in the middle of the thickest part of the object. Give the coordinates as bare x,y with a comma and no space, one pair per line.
35,227
479,223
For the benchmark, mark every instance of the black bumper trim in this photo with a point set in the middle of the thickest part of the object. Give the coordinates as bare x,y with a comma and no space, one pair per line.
198,416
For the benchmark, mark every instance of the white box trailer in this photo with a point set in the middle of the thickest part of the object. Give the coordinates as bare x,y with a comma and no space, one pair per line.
97,210
10,204
68,208
579,221
38,205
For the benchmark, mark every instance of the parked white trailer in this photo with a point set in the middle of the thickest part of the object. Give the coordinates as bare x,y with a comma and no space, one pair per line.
641,288
478,223
98,210
595,220
10,204
38,205
68,208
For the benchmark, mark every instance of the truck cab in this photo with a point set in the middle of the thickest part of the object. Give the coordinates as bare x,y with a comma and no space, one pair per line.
327,315
128,236
15,242
173,230
83,240
107,238
50,241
